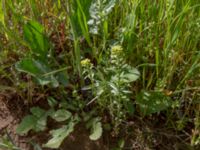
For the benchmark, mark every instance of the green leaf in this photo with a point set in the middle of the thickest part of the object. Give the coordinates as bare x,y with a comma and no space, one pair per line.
37,121
108,8
152,102
41,116
96,130
48,79
61,115
41,123
37,111
62,77
37,69
99,10
132,75
32,67
59,135
35,38
26,125
52,102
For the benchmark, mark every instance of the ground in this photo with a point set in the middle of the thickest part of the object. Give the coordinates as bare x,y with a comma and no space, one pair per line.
138,134
11,112
10,115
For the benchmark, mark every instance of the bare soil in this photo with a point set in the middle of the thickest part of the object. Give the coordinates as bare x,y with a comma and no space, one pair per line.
10,116
11,113
138,134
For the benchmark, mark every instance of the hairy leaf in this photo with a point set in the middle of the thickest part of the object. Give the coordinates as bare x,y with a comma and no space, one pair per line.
61,115
59,135
96,129
26,125
132,75
37,121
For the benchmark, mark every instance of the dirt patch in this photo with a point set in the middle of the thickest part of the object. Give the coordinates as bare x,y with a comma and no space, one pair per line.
138,134
81,141
10,115
77,140
5,116
12,112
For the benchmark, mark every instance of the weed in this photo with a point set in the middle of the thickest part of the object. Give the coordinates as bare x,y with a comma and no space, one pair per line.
118,59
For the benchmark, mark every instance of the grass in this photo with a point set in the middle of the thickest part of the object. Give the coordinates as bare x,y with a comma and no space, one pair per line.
160,39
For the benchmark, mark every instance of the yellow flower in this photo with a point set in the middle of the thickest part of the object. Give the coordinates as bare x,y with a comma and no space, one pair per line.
86,63
116,50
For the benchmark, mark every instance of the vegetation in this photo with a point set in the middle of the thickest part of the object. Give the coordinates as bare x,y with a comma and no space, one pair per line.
103,63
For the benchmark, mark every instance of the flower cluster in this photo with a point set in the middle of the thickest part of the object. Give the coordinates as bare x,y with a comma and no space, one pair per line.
86,63
116,54
116,50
